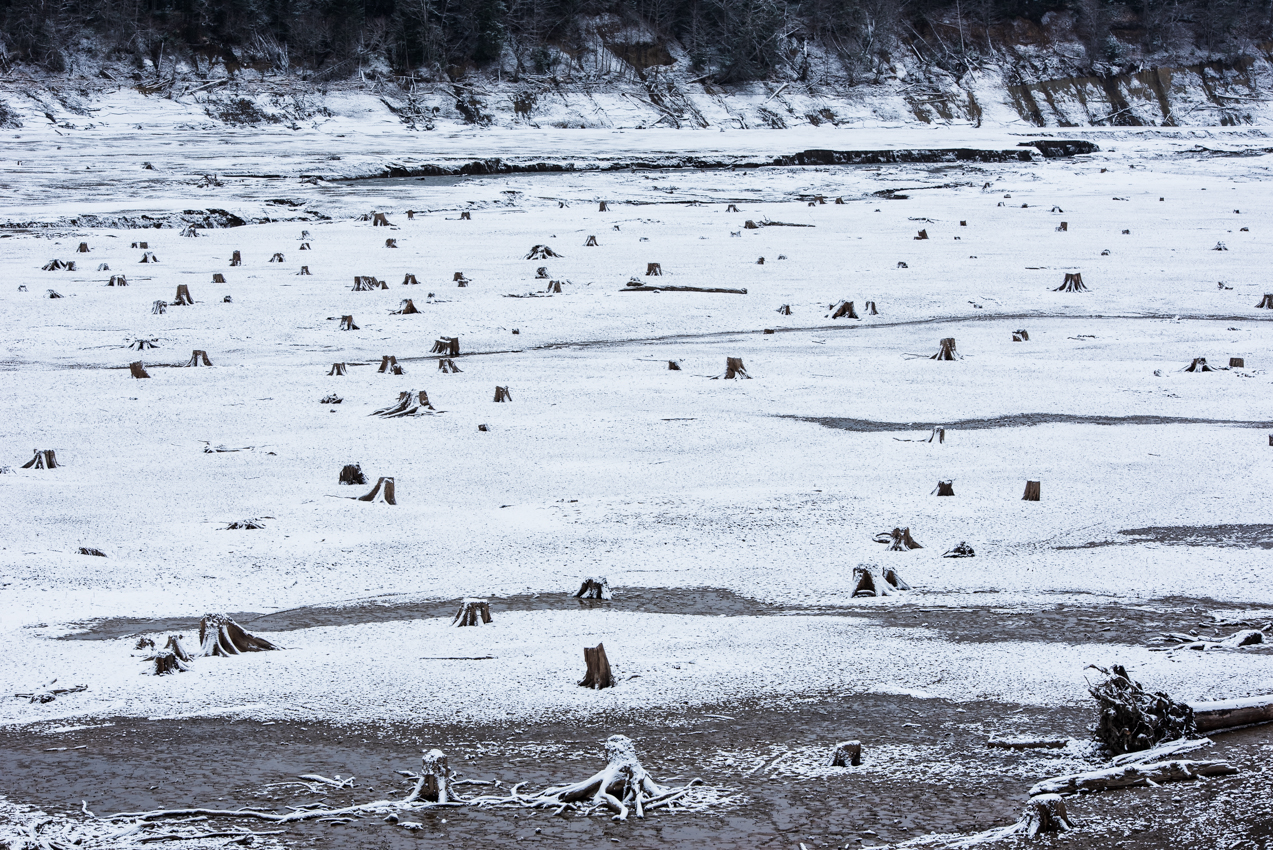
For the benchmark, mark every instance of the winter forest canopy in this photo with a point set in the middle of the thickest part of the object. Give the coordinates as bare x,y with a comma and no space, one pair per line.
730,40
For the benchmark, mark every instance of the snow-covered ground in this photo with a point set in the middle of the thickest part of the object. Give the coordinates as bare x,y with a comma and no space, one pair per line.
605,462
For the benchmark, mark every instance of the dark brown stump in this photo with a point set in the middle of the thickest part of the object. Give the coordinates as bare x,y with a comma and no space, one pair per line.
846,754
448,345
83,249
89,550
923,234
218,277
1266,303
653,269
409,280
541,273
1199,364
843,310
466,216
591,243
406,309
839,200
149,258
1021,336
382,492
594,588
236,259
183,296
898,540
473,612
944,488
731,208
220,635
868,309
44,459
159,308
554,286
734,369
1073,283
1237,363
673,366
502,394
604,207
138,370
347,323
337,370
864,582
598,675
447,366
351,473
1063,227
304,246
1031,492
118,280
389,364
410,215
541,252
199,358
304,272
277,258
947,350
379,220
785,310
391,243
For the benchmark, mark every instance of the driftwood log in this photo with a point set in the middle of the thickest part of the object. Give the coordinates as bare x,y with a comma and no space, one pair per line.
473,612
220,635
598,673
1132,776
642,288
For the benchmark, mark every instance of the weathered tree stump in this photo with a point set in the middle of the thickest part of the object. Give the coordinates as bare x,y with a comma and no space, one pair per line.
653,270
843,310
406,309
103,267
892,580
541,273
1031,492
60,266
1044,813
137,370
434,784
347,323
220,635
902,265
118,280
541,252
603,207
199,357
141,245
554,286
337,370
389,365
168,662
847,754
944,488
380,220
598,675
1073,283
466,216
731,208
54,294
785,310
183,296
391,243
502,394
82,249
410,215
148,257
304,272
961,550
159,308
473,612
673,366
750,225
447,366
277,258
483,428
594,588
351,473
1266,303
236,259
1237,363
898,540
939,434
1063,227
304,246
760,262
947,350
410,403
218,277
331,398
383,492
1199,364
864,582
409,280
868,309
190,232
923,234
448,345
734,370
143,344
1021,336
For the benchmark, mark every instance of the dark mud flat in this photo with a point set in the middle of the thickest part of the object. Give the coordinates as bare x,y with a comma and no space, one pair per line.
1099,622
139,765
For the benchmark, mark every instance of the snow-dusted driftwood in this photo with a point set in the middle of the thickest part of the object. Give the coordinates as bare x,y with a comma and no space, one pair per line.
1133,775
48,693
1232,713
1132,718
220,635
1161,752
597,587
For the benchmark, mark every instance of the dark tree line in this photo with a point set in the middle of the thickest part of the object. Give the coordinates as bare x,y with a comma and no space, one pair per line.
734,40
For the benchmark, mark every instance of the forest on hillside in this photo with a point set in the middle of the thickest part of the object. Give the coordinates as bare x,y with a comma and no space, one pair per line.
729,40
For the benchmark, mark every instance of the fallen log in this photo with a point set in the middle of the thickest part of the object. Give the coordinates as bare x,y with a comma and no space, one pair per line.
643,288
1132,775
1232,713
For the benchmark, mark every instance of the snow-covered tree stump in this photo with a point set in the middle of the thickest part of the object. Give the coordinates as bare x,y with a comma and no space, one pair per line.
409,280
653,270
554,287
1266,303
473,612
899,540
44,459
1045,813
118,280
220,635
159,308
337,370
961,550
447,366
138,370
734,370
236,259
1073,283
448,345
673,366
868,309
173,658
382,492
502,394
466,215
389,365
351,473
923,234
843,310
591,242
183,296
598,674
391,243
434,784
947,350
541,252
594,588
847,754
407,308
380,220
541,273
784,310
199,358
945,487
1199,364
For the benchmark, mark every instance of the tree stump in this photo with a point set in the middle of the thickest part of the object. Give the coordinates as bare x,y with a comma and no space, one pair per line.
591,242
138,370
598,675
673,366
142,245
389,364
190,232
118,280
466,216
554,286
22,287
382,492
868,309
448,345
409,280
734,370
391,243
44,459
939,434
594,588
898,540
923,234
236,259
502,394
199,357
1021,336
892,580
304,272
220,635
541,252
1266,303
379,220
406,309
483,428
784,310
409,404
183,296
760,262
410,215
447,366
1199,364
1044,813
947,350
351,473
330,398
347,324
731,208
1031,492
473,612
944,488
603,207
750,225
902,265
168,662
148,257
541,273
1237,363
159,308
843,310
846,754
864,582
961,550
54,294
218,277
434,784
83,249
1063,227
653,270
1073,283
